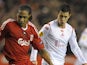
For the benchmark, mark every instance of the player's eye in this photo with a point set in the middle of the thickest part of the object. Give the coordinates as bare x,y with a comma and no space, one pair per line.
20,16
63,16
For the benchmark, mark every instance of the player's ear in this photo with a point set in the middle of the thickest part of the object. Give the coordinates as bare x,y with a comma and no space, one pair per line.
70,14
30,17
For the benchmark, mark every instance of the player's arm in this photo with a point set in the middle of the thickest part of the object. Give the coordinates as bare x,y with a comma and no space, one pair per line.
75,48
37,44
4,29
44,54
40,47
33,56
43,34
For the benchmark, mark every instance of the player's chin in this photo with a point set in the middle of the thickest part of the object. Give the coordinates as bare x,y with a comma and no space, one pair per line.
20,24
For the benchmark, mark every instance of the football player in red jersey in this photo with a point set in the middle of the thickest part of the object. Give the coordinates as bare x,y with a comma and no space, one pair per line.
19,34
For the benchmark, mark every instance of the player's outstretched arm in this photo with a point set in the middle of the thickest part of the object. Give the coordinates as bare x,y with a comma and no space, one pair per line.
44,54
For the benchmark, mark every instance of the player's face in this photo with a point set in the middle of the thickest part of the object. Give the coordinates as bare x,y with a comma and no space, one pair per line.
63,18
23,17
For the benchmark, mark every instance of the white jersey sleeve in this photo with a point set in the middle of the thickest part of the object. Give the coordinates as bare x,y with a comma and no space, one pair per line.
44,31
75,48
83,39
33,56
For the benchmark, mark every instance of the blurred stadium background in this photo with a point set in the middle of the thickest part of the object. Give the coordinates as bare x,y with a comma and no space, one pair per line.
44,11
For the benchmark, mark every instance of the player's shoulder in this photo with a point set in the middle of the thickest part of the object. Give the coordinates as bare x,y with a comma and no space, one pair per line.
6,22
49,24
32,26
85,31
69,26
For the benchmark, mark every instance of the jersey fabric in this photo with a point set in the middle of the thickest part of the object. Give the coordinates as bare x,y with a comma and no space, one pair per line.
18,40
56,40
83,45
35,56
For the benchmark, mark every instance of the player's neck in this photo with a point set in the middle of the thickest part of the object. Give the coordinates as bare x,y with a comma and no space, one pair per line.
25,27
61,25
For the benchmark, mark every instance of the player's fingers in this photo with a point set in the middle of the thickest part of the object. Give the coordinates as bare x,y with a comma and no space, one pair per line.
35,62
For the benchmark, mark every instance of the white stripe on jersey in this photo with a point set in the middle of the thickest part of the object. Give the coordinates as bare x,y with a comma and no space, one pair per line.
5,22
31,24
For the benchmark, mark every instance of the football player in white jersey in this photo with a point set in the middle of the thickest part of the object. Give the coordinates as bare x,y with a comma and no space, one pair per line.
56,35
83,45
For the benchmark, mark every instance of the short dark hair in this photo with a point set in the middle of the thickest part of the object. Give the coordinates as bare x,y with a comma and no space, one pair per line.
27,8
65,8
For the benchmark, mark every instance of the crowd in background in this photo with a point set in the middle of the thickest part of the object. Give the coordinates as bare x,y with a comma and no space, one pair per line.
47,10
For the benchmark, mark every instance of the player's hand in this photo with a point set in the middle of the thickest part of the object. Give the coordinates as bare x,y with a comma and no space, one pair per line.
35,62
84,64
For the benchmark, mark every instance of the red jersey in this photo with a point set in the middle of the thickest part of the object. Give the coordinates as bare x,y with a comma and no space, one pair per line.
18,40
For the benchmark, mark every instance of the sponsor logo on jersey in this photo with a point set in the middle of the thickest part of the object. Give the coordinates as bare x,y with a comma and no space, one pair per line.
23,42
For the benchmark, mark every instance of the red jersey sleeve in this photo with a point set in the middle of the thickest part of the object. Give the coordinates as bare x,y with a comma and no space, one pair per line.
3,32
4,28
36,43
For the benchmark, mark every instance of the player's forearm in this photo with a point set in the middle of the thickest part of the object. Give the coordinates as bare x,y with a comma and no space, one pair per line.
77,52
46,56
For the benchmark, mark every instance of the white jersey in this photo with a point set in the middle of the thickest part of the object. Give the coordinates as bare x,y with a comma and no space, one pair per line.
56,40
83,45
